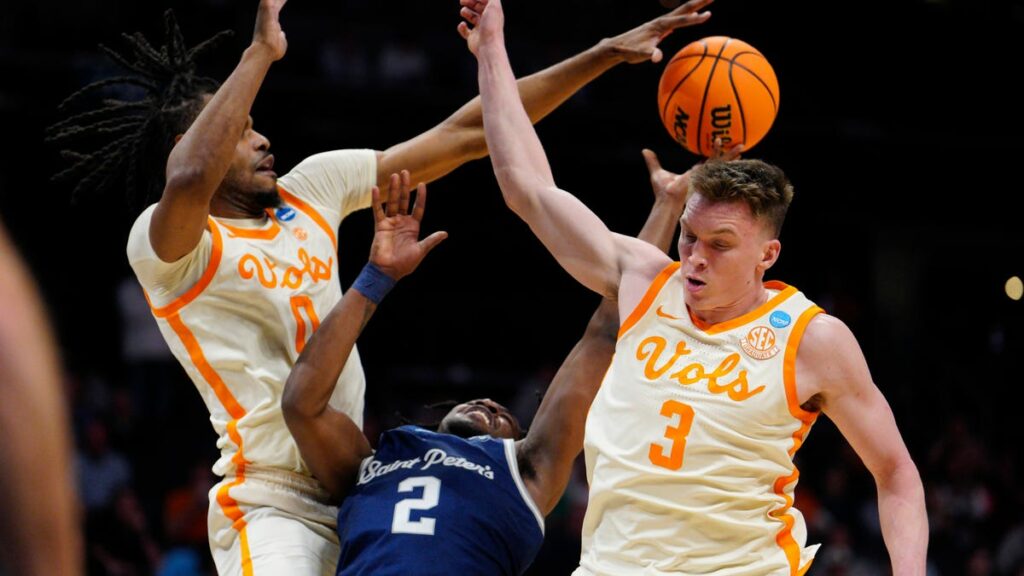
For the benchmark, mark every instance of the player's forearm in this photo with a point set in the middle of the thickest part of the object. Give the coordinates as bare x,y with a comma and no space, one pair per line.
540,93
662,222
199,162
904,519
517,155
315,374
460,137
556,436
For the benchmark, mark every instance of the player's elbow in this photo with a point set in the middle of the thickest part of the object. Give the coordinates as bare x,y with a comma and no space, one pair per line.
520,192
897,473
184,179
295,405
467,142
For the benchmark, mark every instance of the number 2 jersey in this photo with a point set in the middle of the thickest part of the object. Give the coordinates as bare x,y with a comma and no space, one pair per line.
690,441
438,504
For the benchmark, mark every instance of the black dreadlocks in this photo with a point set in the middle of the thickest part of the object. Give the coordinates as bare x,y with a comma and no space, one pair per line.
125,142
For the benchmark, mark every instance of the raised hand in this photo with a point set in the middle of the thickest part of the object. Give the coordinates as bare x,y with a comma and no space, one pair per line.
641,43
667,186
484,19
268,30
397,249
672,187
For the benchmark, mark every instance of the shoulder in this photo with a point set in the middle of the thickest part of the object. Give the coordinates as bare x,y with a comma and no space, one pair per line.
829,360
162,280
645,268
333,164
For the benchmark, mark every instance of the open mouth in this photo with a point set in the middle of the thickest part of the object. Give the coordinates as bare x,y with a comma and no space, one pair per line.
694,283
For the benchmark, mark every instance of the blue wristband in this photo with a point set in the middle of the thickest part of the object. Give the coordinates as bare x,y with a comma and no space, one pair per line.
373,283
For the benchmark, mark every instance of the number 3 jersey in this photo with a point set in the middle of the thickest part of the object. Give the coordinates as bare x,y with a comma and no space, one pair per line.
690,441
438,504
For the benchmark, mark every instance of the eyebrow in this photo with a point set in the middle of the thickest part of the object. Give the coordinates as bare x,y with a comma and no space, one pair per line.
729,231
715,232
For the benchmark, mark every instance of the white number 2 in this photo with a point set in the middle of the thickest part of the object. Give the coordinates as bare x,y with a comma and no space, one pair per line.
431,494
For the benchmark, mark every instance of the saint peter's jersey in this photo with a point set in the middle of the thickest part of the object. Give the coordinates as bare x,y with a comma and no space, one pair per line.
690,441
237,310
437,504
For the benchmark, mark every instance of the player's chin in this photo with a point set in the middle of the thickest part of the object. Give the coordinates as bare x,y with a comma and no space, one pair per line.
267,197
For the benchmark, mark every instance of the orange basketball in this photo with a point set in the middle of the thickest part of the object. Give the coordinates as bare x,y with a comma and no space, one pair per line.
718,87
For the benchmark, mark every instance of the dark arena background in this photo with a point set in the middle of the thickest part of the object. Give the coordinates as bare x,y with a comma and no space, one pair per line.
899,127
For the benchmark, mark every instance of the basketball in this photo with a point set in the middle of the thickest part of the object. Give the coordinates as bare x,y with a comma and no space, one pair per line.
718,87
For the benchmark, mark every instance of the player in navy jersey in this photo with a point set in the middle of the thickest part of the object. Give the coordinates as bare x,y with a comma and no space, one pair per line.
471,497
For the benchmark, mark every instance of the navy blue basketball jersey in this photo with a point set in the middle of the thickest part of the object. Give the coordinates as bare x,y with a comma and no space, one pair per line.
429,503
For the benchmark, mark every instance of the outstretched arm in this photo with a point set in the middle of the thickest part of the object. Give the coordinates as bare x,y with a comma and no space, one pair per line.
460,137
38,535
200,160
329,441
556,436
576,237
830,362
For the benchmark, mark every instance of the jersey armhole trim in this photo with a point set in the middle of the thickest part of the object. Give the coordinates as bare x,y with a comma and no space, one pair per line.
789,365
652,292
513,466
211,268
309,211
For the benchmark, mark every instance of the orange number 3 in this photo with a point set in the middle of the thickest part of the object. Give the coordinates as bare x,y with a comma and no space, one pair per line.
677,434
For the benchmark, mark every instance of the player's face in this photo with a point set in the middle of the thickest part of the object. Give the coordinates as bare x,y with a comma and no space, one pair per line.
481,417
724,251
251,179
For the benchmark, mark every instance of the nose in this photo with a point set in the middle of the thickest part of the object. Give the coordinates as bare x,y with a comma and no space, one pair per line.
697,258
261,141
489,404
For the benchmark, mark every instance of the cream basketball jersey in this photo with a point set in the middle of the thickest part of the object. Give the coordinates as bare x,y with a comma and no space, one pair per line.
690,441
238,310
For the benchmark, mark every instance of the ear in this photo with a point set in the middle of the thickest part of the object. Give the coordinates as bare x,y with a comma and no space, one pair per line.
769,254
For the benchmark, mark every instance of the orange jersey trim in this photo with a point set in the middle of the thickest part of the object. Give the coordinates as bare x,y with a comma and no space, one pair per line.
228,505
204,280
789,365
649,296
784,538
785,292
268,233
311,212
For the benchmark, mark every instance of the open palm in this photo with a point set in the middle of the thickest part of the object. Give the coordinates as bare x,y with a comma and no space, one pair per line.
397,249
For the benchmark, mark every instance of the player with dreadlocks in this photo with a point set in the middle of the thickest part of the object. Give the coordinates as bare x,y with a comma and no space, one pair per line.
239,265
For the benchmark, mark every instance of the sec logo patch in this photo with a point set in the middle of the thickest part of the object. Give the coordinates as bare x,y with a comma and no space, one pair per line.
759,343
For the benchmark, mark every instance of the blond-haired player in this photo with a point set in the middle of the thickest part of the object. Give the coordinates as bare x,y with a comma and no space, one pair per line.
717,375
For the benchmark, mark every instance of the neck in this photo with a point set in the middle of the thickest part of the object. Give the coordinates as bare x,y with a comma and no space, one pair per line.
746,303
239,206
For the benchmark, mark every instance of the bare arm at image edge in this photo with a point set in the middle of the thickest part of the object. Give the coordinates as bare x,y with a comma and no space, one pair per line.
39,532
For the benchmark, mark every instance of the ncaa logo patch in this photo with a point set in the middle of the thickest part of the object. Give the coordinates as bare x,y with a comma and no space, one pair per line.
285,214
759,343
780,319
